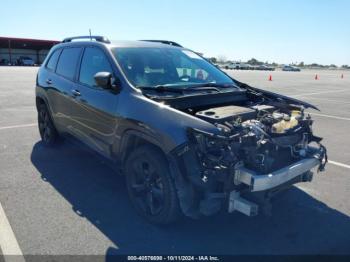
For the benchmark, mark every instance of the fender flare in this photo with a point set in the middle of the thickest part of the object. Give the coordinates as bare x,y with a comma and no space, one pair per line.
128,134
42,97
46,101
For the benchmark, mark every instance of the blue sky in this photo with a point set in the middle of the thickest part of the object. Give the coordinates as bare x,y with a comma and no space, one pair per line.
283,31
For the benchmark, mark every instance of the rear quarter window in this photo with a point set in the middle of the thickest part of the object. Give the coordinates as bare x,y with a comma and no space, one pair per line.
51,64
68,61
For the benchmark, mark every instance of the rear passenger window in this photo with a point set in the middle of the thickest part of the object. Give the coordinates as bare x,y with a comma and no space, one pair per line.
68,62
94,61
51,64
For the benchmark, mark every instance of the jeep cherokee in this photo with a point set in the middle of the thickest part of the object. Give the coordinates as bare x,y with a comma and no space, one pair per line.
188,138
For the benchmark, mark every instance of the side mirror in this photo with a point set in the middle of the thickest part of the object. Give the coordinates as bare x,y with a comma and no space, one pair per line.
106,80
103,79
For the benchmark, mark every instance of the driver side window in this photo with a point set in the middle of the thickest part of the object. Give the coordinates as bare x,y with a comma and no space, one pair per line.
94,61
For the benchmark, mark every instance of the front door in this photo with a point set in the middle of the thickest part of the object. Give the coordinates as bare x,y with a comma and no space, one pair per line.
94,109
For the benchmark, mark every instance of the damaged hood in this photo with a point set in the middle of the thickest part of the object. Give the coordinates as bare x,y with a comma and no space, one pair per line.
276,97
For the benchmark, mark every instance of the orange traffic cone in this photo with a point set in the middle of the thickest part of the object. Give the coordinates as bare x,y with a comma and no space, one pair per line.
270,78
316,77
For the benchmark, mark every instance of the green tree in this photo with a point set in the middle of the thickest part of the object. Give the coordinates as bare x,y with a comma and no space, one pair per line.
213,59
254,61
221,59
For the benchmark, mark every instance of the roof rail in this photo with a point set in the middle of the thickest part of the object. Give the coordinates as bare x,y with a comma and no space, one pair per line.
164,42
96,37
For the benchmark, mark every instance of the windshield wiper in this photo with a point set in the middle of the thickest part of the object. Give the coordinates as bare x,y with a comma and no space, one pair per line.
222,85
202,88
177,89
161,88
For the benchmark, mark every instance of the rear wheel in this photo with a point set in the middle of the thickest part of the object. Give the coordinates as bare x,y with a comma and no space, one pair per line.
150,186
47,130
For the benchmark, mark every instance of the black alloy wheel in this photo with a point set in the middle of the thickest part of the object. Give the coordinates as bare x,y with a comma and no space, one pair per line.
150,186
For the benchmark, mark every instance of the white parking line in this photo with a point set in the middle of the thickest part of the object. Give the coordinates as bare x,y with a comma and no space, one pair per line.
338,164
319,93
8,242
329,116
18,126
329,100
18,110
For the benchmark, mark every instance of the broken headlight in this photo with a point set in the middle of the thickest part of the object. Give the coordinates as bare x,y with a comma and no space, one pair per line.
208,146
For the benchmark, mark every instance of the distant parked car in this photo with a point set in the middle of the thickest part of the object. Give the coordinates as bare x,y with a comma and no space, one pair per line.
238,65
290,68
232,66
25,61
4,62
245,67
264,68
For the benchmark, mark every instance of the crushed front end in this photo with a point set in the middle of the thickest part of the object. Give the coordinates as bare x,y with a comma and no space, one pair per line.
258,151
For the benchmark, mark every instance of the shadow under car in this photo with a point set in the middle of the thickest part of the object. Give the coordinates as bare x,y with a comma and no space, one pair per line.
299,224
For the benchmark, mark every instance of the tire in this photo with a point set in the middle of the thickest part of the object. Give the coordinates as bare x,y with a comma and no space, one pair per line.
151,189
48,133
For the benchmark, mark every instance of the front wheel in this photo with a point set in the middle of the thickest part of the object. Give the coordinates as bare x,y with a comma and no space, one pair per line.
150,186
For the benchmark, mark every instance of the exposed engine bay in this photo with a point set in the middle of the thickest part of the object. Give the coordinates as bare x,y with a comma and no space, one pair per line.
262,137
263,143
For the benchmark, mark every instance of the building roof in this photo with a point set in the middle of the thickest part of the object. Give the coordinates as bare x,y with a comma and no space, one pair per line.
26,43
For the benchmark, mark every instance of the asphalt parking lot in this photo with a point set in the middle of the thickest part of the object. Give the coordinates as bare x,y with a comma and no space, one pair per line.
67,201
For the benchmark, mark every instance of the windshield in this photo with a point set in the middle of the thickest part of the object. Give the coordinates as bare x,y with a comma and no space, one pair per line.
167,67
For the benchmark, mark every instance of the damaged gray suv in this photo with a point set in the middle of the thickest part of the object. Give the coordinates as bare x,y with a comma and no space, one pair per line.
188,138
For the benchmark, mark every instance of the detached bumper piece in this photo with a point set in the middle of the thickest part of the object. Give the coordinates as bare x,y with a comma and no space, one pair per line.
237,203
261,182
258,182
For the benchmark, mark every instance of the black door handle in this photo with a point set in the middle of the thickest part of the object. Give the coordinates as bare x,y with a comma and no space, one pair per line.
76,92
49,81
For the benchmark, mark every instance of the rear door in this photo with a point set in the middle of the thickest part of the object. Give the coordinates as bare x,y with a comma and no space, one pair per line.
63,84
47,80
94,111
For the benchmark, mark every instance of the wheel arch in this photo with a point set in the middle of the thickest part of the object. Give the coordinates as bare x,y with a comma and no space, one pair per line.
39,100
184,189
131,139
42,100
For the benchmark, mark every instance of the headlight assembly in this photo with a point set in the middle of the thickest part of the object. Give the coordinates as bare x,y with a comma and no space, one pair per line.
208,145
